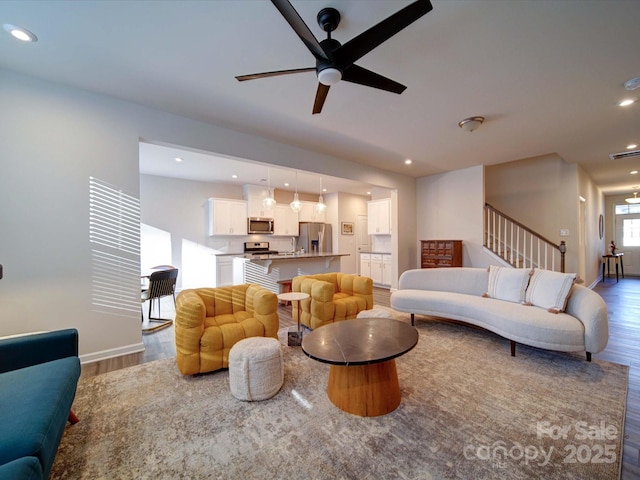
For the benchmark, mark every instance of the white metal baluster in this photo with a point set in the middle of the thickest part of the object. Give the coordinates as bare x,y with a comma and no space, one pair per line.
499,233
518,246
493,232
486,227
511,244
505,255
530,254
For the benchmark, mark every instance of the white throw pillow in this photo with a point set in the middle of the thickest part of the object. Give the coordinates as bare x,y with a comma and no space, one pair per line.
549,289
508,284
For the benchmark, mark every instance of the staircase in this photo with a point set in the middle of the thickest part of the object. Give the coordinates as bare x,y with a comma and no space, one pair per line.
518,245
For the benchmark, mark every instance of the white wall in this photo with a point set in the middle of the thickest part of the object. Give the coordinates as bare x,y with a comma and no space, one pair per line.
594,245
541,193
450,207
52,138
349,207
544,194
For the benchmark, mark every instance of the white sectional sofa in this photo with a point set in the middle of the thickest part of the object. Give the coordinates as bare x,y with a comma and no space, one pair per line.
504,302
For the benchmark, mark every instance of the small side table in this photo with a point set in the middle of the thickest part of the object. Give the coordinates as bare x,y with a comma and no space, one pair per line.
294,339
606,261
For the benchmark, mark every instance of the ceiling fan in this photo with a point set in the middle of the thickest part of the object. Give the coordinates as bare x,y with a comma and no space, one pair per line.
334,61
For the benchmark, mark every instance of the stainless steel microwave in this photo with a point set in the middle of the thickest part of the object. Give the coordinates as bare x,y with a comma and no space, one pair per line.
260,225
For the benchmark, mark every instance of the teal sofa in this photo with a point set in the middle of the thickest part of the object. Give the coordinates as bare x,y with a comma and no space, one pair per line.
39,374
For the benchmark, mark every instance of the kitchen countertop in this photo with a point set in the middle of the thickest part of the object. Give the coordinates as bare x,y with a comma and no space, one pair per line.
284,256
295,256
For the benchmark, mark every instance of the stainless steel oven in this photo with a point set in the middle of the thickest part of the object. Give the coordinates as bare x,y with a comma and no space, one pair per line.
260,225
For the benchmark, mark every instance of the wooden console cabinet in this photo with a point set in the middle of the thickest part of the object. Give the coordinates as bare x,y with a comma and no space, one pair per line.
441,253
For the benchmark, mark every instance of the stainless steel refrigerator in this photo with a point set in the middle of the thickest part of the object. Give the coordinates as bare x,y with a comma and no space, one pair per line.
315,237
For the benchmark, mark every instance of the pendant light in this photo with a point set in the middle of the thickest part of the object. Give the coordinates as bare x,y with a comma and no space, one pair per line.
296,205
633,199
320,207
269,202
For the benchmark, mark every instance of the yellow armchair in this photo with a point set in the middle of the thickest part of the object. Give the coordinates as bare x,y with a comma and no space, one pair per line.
332,297
209,321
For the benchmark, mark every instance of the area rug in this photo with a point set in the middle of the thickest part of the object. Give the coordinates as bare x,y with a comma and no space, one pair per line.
468,410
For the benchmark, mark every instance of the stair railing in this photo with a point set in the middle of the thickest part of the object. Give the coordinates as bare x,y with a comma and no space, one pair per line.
518,245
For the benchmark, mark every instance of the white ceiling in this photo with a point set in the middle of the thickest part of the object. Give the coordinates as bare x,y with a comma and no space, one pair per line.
547,75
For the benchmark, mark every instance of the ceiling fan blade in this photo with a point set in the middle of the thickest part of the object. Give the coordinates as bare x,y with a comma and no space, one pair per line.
254,76
362,76
321,96
359,46
293,18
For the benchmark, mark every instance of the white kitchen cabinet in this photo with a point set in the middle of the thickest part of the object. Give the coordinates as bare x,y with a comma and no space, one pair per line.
285,221
224,270
309,214
386,270
227,217
365,265
377,266
379,217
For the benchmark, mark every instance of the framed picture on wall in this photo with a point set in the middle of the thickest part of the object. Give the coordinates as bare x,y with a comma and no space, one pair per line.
347,228
601,226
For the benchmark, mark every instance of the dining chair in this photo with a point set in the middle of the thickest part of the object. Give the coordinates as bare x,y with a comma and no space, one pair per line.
161,284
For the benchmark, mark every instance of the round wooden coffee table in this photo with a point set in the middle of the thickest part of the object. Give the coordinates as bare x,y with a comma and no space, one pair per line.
362,375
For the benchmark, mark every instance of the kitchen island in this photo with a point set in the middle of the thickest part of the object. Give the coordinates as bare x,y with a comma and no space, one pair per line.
267,270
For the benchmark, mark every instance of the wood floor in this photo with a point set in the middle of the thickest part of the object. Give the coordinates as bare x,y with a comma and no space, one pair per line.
623,305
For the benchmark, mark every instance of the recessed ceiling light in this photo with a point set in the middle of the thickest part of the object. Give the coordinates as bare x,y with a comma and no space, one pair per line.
626,102
234,176
368,193
324,189
20,33
633,172
286,184
408,161
178,159
631,146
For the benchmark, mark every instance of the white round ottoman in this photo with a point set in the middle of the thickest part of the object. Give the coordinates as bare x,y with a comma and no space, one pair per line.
255,368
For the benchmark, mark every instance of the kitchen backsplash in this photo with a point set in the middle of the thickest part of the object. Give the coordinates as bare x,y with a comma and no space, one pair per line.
381,243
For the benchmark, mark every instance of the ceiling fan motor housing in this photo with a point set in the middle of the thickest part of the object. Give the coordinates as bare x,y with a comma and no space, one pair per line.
328,71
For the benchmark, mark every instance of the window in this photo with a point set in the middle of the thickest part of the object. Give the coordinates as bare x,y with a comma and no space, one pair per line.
631,232
628,224
627,209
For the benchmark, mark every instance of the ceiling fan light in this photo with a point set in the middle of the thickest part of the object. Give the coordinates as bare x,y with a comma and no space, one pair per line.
329,76
633,199
296,205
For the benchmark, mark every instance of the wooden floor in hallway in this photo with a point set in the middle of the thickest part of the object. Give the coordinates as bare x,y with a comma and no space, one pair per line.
623,304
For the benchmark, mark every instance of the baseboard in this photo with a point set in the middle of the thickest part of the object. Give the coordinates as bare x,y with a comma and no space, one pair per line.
112,353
